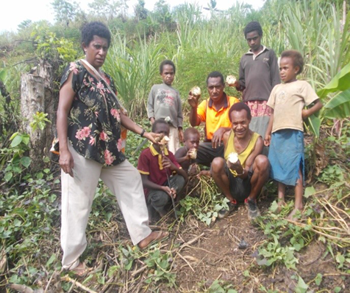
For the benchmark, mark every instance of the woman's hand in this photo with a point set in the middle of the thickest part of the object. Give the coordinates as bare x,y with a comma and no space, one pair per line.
151,136
66,162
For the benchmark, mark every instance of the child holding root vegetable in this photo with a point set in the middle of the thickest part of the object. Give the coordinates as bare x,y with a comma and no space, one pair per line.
186,155
162,176
284,134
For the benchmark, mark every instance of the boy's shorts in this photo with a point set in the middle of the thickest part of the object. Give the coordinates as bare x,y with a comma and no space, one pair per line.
239,188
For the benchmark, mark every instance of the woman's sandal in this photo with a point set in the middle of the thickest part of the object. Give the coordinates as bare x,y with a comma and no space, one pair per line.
81,270
153,238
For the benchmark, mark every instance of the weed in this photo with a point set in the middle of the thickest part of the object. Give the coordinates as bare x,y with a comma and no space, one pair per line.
331,174
207,205
159,265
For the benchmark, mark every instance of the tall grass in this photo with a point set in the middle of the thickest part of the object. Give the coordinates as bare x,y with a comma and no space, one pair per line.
134,67
200,45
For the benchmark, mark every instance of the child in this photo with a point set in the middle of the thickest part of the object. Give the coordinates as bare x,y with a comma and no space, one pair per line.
162,177
186,156
164,102
287,101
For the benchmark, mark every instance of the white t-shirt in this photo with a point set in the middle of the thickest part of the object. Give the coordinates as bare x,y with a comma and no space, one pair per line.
288,101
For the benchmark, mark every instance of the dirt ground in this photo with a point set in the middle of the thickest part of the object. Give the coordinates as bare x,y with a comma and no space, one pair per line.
210,253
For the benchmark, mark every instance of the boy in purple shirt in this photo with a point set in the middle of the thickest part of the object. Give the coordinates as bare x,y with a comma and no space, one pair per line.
162,176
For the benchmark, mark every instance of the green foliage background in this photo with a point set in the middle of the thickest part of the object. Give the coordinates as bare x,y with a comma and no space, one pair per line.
198,44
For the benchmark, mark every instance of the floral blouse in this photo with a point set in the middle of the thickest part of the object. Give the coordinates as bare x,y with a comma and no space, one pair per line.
94,124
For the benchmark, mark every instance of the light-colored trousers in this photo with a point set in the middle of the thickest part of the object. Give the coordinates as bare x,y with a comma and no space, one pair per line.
174,142
77,197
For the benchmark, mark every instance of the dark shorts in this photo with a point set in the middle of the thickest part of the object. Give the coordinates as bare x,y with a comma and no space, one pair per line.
206,153
239,188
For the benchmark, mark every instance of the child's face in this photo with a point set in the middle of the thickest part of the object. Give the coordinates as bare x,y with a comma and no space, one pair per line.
162,128
288,71
168,74
253,40
192,141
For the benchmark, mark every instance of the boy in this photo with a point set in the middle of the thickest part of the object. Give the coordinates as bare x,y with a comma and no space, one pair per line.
186,156
162,177
258,74
164,103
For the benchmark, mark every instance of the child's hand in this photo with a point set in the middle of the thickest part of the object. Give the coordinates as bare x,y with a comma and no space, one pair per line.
267,139
181,135
191,154
305,113
167,163
205,173
170,191
173,192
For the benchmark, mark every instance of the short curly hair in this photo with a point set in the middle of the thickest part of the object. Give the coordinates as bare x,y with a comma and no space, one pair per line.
240,107
158,122
94,28
296,57
166,62
216,74
251,27
191,130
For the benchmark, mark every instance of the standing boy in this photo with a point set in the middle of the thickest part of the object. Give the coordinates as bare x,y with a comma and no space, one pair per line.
162,176
258,74
164,103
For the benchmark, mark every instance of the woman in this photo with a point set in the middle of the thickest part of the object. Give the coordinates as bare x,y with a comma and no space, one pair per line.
89,121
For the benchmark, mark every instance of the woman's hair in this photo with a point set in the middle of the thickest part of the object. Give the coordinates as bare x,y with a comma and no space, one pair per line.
251,27
239,107
95,28
296,57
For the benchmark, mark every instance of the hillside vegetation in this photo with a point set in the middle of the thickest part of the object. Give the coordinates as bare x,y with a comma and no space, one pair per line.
203,254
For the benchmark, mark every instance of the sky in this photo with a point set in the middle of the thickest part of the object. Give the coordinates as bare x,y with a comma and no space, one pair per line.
16,11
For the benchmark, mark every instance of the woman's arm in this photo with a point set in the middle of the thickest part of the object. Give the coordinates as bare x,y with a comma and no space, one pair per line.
132,126
66,98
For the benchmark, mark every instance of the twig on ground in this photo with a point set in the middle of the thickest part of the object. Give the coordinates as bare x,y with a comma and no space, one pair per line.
66,278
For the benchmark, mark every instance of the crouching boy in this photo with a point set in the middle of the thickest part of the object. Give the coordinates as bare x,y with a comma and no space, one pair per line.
162,176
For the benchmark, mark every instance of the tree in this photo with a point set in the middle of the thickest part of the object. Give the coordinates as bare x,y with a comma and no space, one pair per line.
24,24
105,8
65,11
140,11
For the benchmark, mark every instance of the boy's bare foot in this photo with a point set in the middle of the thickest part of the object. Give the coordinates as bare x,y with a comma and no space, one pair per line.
280,205
154,237
293,214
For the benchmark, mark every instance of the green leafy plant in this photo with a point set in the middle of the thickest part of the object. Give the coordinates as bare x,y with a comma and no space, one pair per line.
219,286
159,265
205,207
39,121
331,174
13,157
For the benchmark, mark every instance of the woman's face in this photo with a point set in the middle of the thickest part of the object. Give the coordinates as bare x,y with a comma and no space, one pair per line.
96,51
